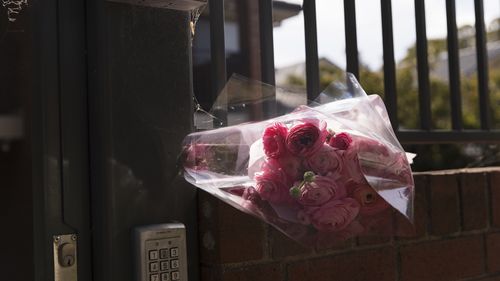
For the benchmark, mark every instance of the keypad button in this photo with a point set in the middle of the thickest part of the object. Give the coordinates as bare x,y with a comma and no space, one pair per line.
165,276
164,265
176,275
153,266
154,277
164,254
153,254
174,264
174,252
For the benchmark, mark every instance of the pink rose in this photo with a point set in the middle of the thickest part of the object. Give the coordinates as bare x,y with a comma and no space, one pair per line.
306,138
340,141
321,190
335,215
370,202
274,140
324,161
273,186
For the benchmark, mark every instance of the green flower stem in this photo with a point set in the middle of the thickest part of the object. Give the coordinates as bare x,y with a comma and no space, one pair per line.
308,177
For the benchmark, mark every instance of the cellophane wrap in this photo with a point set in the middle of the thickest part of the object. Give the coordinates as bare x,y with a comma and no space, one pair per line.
320,174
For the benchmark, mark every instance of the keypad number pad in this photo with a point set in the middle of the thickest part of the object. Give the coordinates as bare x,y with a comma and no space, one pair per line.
165,276
174,264
174,252
164,253
176,275
163,260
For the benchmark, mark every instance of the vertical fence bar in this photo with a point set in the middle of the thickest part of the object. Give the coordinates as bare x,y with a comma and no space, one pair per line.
267,53
217,46
351,40
482,65
218,55
454,66
266,41
422,66
312,64
389,63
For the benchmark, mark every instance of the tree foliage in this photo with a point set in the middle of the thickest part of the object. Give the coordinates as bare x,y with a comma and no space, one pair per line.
437,156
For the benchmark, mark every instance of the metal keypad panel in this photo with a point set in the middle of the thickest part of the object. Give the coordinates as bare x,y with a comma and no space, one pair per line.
163,261
160,252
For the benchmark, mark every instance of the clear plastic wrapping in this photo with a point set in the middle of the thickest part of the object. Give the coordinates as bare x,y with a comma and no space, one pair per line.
320,173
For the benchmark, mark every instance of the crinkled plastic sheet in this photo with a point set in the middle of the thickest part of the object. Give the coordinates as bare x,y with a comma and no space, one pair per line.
229,162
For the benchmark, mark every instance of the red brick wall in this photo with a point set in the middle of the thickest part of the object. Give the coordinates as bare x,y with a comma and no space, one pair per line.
457,219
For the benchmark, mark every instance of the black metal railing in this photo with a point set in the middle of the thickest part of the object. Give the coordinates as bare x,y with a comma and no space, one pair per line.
454,66
425,134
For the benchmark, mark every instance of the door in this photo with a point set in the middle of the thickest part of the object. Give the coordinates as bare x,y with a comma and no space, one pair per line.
105,92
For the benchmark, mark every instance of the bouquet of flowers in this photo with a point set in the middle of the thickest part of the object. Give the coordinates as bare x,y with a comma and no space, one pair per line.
318,174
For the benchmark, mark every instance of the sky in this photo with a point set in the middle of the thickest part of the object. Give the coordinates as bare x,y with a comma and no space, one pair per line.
289,45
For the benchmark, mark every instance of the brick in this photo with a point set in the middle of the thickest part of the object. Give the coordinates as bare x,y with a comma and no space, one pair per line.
474,208
444,204
406,230
493,252
495,198
378,264
490,278
282,246
228,235
326,245
420,214
265,272
261,272
210,273
443,260
373,240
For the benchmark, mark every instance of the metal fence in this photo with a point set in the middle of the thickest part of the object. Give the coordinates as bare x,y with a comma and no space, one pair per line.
425,134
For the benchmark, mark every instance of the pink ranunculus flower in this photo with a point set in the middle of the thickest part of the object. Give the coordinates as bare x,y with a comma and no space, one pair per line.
273,186
321,190
291,165
335,215
340,141
325,160
370,202
274,140
365,144
306,138
399,169
351,169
